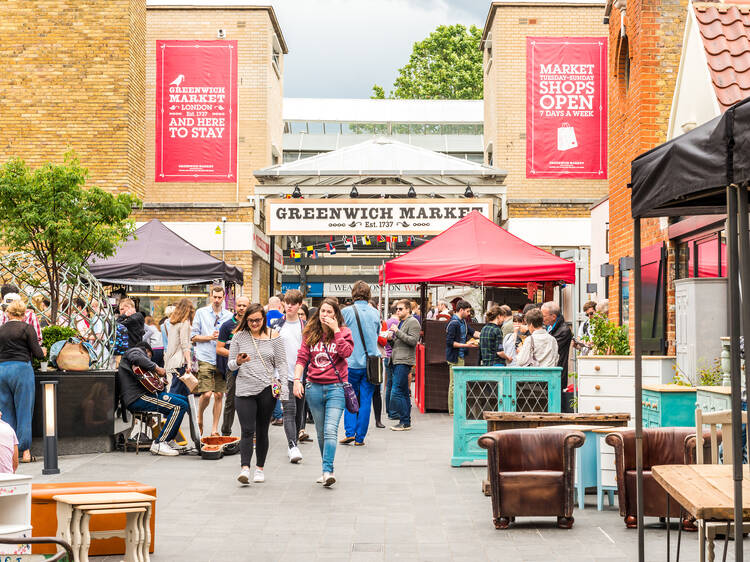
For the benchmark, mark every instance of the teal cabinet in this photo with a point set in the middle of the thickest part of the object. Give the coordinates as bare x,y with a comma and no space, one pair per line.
668,405
497,389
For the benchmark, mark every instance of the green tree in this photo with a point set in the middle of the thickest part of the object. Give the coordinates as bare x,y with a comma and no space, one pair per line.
445,65
50,214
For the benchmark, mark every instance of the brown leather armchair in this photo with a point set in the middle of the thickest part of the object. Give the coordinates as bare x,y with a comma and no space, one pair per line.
534,475
661,445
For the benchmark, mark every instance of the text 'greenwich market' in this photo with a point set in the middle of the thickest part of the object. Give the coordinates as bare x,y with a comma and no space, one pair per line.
353,213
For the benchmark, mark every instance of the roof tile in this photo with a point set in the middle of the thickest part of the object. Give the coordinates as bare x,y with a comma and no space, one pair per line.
725,30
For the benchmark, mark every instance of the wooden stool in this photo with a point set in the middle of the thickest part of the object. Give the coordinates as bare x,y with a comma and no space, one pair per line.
75,510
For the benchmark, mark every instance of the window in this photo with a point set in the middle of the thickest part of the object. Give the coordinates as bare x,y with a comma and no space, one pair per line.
623,65
488,52
703,256
624,297
295,127
276,56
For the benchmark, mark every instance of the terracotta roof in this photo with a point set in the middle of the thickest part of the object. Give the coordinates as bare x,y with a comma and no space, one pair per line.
725,29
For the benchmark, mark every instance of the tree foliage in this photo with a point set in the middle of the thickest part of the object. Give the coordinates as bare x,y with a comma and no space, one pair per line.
607,337
445,65
50,214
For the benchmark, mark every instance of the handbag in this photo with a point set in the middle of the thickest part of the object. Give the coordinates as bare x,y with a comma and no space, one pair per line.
72,355
350,397
189,380
372,362
533,360
275,384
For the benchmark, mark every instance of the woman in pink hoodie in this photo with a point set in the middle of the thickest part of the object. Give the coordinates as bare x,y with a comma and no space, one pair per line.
326,343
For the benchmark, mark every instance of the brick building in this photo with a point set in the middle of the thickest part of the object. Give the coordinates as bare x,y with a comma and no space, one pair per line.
671,68
74,77
198,210
504,44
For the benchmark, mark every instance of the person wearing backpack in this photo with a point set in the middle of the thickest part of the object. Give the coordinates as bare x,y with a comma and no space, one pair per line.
364,322
539,349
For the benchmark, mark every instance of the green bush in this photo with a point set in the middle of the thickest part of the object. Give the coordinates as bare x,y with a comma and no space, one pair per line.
53,334
607,337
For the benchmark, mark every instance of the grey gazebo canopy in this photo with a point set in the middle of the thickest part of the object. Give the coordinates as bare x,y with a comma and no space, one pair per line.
704,171
156,255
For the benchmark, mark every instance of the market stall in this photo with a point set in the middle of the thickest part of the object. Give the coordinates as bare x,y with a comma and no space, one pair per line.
155,256
705,171
474,251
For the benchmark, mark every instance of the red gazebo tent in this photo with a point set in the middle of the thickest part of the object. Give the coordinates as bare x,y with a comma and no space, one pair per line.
474,251
477,251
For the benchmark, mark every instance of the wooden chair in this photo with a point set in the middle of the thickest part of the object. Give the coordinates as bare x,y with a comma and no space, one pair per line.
707,530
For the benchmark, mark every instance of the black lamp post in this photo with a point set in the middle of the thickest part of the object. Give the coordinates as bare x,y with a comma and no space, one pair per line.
49,404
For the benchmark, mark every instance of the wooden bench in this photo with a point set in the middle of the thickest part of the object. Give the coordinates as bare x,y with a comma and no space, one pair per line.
75,510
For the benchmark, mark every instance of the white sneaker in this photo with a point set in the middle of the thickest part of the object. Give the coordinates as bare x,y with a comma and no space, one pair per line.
244,477
320,480
259,476
295,455
161,448
176,446
328,479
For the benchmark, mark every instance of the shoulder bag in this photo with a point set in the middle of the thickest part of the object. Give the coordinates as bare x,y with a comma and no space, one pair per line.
350,397
275,383
372,362
533,360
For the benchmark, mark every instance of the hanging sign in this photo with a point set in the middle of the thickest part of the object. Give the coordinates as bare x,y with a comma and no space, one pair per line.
344,290
369,216
196,111
566,107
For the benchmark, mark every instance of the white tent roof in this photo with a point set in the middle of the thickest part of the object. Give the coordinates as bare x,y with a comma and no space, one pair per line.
381,157
383,111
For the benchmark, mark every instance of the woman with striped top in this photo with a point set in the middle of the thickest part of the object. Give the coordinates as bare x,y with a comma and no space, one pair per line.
257,353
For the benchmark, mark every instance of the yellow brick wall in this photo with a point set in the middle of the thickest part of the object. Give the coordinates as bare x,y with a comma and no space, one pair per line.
505,95
260,95
71,77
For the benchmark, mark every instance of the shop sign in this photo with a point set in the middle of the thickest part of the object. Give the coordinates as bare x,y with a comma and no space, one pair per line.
566,107
345,290
196,111
369,216
313,289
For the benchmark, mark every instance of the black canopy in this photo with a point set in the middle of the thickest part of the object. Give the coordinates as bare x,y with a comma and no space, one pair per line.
156,254
688,175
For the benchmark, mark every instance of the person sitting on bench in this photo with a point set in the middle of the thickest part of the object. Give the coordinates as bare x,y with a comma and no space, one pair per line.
137,399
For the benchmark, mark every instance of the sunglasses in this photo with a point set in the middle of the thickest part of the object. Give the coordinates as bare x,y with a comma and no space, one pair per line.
590,313
400,308
255,320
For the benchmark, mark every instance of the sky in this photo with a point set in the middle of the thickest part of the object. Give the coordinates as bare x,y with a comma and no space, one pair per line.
340,48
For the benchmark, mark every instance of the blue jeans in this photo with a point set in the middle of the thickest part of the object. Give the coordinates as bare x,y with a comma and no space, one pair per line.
278,413
401,397
356,424
389,388
17,399
326,402
173,406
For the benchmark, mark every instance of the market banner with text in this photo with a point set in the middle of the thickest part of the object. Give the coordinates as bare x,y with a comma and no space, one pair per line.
566,107
196,111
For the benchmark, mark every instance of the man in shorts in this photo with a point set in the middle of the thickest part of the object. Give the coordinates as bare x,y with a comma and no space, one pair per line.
204,333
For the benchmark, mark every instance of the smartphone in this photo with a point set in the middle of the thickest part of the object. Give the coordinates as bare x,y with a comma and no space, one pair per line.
243,355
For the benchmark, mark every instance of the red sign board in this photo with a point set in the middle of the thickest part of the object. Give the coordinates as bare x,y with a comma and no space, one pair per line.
196,111
566,107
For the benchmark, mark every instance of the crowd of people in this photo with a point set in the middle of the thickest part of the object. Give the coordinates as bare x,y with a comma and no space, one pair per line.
279,364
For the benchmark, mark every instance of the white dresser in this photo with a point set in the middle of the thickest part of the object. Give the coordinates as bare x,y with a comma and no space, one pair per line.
15,511
606,384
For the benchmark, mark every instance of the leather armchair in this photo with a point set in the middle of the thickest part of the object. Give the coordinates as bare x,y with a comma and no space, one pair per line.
532,473
661,445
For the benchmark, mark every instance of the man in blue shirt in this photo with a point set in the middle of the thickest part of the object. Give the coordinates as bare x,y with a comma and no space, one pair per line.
369,320
204,333
456,334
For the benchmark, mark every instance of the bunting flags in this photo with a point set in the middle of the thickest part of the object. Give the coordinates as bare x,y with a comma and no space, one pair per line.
367,241
349,245
409,240
380,238
354,239
331,248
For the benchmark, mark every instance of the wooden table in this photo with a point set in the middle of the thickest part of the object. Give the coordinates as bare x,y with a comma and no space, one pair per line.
72,508
498,421
706,491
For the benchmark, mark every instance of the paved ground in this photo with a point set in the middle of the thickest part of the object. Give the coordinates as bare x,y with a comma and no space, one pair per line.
396,498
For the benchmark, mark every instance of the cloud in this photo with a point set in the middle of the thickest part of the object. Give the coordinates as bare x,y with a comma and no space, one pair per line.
340,48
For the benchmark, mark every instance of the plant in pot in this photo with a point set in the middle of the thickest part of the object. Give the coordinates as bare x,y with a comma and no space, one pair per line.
607,338
50,336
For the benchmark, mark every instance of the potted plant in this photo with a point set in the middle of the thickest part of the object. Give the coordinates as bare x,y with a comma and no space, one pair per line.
50,336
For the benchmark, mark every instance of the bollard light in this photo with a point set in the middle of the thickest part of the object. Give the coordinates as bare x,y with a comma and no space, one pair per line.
49,404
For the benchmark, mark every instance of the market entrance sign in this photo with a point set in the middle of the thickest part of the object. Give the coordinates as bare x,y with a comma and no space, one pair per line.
369,216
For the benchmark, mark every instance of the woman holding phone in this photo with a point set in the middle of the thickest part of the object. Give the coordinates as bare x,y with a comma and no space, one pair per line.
326,343
257,354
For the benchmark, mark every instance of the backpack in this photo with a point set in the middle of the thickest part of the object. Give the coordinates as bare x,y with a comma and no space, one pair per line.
121,340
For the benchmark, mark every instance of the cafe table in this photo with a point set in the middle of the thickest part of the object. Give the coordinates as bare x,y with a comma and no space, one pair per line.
705,491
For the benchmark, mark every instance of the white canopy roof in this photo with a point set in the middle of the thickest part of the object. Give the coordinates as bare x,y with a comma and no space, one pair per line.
381,157
383,111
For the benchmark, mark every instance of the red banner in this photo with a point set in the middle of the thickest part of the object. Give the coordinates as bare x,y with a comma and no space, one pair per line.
196,111
566,107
